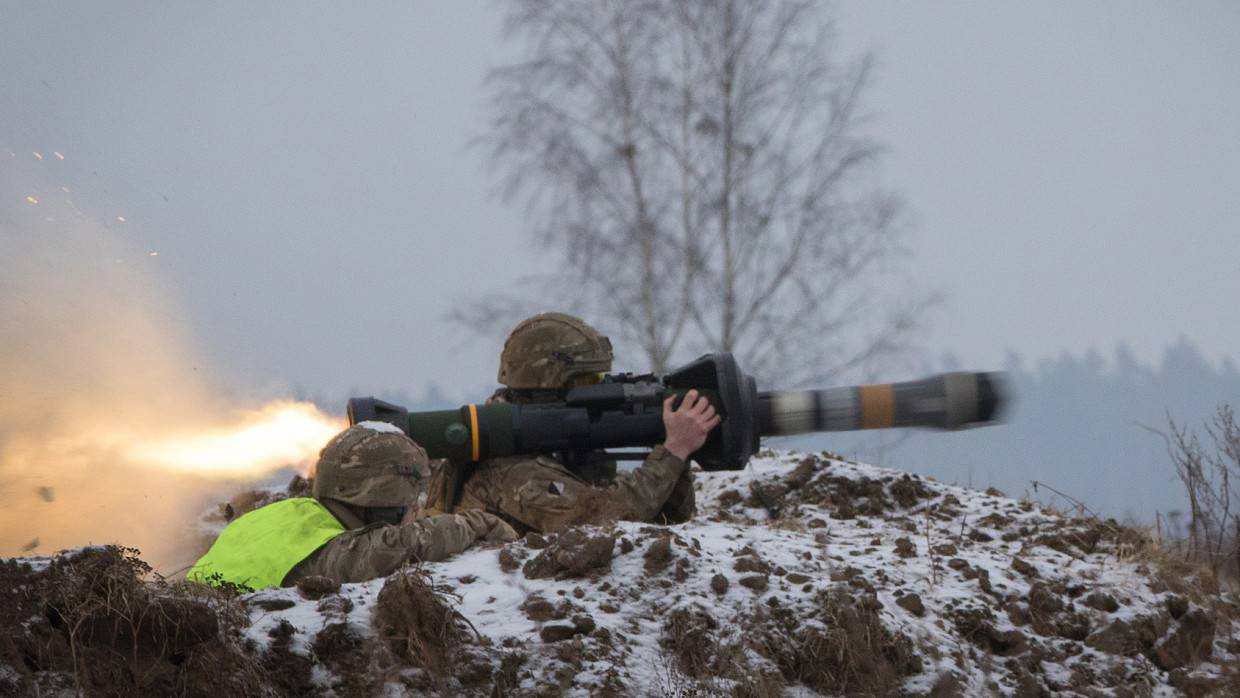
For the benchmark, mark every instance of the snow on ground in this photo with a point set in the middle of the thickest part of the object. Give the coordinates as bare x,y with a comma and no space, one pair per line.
961,592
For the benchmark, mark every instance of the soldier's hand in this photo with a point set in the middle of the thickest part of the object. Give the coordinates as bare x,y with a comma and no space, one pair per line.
488,527
688,426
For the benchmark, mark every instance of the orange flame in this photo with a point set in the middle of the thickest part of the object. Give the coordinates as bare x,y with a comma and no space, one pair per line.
261,442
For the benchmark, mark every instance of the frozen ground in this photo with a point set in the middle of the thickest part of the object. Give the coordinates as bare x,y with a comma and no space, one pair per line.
988,595
800,575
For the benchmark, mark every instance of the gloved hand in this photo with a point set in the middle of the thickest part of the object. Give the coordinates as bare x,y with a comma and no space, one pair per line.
488,527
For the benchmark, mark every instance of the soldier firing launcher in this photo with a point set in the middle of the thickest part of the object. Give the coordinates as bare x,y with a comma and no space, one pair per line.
626,410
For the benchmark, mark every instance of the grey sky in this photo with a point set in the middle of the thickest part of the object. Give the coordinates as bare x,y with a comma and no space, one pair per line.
1073,168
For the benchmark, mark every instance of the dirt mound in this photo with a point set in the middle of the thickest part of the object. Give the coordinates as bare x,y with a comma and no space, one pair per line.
96,621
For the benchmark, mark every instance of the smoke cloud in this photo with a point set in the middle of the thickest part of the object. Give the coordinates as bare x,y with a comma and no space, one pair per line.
110,428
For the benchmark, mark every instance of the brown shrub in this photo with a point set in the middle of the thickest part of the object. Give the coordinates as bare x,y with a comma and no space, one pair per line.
844,648
709,666
418,623
689,636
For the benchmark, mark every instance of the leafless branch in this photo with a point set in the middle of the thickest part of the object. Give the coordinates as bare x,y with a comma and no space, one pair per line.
700,174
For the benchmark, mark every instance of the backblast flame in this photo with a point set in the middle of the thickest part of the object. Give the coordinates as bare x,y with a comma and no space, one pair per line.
277,436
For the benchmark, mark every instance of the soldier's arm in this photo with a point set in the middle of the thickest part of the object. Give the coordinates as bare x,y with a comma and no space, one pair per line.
647,488
373,552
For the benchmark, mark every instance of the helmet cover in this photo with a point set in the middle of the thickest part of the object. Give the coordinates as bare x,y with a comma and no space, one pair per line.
549,350
371,467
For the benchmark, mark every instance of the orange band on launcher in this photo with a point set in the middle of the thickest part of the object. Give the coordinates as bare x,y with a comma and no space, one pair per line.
473,429
878,406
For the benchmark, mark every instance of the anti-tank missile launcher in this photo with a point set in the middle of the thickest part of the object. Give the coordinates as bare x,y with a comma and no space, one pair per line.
626,410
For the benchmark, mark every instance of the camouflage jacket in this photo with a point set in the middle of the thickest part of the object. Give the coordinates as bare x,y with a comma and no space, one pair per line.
539,493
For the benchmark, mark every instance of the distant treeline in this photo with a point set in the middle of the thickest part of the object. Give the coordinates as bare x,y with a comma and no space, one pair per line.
1081,424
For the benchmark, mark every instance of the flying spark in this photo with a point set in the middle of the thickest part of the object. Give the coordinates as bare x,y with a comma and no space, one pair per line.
153,253
121,219
38,155
31,199
58,155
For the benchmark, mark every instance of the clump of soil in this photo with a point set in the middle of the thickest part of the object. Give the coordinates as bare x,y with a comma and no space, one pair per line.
913,604
287,670
905,548
575,552
540,610
748,560
803,473
348,655
658,555
316,587
756,582
1129,637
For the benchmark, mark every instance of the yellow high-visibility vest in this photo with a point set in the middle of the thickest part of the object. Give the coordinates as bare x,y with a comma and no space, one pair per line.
259,548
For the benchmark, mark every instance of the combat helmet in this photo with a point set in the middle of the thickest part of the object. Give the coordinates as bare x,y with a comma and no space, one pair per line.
370,472
550,351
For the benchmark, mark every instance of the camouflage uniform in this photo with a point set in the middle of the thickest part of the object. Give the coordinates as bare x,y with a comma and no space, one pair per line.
543,355
369,478
378,550
541,494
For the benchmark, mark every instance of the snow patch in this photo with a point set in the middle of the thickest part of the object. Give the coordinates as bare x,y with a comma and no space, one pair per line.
381,426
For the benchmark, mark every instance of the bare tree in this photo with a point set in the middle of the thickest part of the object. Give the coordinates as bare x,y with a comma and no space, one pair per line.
700,172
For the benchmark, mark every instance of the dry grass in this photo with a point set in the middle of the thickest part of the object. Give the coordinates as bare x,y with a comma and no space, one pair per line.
102,618
419,624
1210,475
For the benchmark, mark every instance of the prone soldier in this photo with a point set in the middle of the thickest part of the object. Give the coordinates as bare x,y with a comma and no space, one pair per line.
363,521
